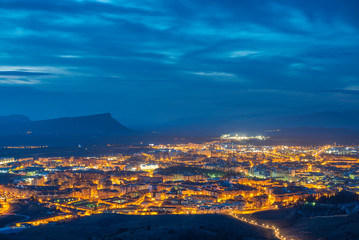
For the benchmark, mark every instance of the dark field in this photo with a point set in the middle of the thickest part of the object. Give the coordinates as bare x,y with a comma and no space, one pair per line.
165,227
336,227
24,210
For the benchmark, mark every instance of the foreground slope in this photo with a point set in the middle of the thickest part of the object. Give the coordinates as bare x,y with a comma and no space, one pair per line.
165,227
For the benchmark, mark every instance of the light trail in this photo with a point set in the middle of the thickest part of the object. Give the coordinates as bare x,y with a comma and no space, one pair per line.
266,226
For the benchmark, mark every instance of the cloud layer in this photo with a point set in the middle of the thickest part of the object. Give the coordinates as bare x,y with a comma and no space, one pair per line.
152,61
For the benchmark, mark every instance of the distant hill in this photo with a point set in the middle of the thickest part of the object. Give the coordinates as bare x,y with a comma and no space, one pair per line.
329,119
257,123
94,124
18,129
315,128
313,136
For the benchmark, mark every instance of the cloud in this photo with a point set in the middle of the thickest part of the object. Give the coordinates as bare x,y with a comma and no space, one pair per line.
352,88
32,70
243,53
69,56
215,74
21,73
180,52
18,81
219,76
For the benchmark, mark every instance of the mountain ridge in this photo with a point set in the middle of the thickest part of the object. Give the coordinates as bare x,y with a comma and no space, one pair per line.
102,123
104,129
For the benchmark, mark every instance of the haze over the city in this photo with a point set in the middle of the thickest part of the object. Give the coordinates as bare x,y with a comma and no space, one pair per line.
153,62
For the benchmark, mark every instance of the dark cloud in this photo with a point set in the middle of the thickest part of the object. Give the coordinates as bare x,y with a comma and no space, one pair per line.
21,73
71,7
161,60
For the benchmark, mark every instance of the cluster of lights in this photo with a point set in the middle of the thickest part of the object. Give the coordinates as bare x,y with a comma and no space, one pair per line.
24,147
223,155
242,138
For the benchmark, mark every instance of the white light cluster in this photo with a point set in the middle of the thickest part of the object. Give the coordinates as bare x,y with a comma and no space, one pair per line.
242,138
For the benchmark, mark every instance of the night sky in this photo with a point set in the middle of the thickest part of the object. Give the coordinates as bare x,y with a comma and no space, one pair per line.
152,61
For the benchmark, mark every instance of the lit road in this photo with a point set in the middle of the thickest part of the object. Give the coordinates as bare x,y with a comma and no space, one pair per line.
276,230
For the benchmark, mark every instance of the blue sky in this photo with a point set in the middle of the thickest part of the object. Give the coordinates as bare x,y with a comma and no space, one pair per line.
153,61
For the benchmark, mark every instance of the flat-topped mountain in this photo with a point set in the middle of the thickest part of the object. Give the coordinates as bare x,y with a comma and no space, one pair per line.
13,119
93,124
93,129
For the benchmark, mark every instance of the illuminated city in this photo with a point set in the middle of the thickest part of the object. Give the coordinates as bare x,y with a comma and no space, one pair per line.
179,120
224,176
